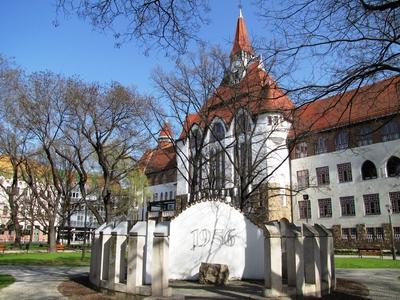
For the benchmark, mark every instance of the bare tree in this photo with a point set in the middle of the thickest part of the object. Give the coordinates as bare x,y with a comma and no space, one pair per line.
342,45
166,25
110,119
13,143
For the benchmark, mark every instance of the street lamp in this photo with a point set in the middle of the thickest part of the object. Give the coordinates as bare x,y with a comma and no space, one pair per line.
389,210
306,199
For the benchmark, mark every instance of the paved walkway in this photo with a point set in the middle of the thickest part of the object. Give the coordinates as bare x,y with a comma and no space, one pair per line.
36,283
381,283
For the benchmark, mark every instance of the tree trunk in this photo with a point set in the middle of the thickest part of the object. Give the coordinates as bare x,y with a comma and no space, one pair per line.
17,228
52,236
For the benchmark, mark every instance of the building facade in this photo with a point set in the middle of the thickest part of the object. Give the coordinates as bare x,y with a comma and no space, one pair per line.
325,162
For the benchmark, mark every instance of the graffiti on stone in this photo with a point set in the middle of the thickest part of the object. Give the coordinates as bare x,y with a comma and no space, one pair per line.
215,237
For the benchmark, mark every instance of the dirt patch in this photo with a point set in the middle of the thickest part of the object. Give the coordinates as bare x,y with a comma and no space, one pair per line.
80,288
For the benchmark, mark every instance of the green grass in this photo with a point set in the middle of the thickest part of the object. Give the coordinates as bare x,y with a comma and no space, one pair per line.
365,263
68,259
6,280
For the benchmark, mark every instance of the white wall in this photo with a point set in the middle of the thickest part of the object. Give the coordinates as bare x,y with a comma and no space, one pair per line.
378,153
215,232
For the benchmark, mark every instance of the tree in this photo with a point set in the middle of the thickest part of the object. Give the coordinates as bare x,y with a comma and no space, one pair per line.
341,44
166,25
111,121
13,144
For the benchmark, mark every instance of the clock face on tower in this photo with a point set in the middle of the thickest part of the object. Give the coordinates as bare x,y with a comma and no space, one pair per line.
237,69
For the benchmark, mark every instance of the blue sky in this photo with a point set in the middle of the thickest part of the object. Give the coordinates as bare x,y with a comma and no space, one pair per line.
29,36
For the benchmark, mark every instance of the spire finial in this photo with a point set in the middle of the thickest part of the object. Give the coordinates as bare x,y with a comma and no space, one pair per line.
240,9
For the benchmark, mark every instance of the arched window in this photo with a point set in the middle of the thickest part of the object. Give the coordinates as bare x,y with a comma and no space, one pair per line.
217,156
342,140
217,132
320,146
391,131
368,170
393,166
243,147
195,159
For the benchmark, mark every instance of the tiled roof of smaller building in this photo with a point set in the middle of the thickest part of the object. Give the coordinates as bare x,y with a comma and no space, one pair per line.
159,159
368,102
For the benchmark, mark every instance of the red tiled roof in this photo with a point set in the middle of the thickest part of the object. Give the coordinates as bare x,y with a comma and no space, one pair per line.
241,41
158,159
371,101
256,92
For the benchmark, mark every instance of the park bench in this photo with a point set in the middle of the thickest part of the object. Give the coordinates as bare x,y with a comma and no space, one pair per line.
60,247
370,251
2,247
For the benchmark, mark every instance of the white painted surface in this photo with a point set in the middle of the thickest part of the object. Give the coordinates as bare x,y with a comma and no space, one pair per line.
215,232
379,154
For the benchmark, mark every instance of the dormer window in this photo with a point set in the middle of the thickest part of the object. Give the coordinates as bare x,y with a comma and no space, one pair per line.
342,140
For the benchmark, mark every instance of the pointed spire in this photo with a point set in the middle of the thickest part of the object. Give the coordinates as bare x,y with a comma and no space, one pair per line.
165,136
241,42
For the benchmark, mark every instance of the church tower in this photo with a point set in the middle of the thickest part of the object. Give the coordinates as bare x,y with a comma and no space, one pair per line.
242,52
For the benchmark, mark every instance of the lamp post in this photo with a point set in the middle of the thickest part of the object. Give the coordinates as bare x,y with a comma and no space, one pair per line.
306,199
389,210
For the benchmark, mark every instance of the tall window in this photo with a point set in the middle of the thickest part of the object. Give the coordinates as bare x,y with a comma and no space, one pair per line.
349,233
195,161
344,172
217,156
323,175
301,150
342,140
368,170
365,136
305,209
393,166
320,146
302,179
395,201
371,204
243,145
375,233
391,131
325,208
347,206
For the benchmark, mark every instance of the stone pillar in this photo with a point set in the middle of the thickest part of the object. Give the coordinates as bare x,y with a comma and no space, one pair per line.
105,237
312,260
273,262
361,232
95,258
136,243
325,236
159,278
150,227
299,264
293,259
117,257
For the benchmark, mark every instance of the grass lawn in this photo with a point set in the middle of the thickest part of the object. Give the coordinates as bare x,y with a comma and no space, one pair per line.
365,263
6,280
68,259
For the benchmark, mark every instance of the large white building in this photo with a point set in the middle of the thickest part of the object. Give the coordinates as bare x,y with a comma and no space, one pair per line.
326,162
